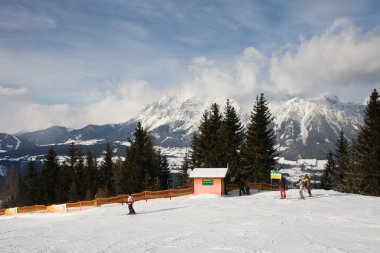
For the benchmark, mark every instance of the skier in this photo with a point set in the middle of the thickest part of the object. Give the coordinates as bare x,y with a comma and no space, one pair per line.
246,185
130,204
301,185
283,187
306,179
241,187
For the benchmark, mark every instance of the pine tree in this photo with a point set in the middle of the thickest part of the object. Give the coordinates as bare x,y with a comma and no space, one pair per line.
50,178
141,166
118,168
90,175
206,149
164,171
10,188
30,190
231,139
342,158
328,176
107,168
258,153
215,153
201,145
68,189
366,150
80,175
183,178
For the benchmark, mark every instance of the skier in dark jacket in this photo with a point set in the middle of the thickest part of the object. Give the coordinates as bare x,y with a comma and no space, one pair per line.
283,187
241,187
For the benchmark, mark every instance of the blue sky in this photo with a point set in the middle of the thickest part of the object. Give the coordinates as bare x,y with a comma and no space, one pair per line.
74,63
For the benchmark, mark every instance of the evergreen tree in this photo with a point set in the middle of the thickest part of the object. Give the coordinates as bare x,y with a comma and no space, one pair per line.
107,168
366,150
215,153
231,138
206,149
50,178
328,176
68,190
141,166
80,175
90,175
342,158
258,152
30,186
200,145
10,188
164,171
183,178
118,168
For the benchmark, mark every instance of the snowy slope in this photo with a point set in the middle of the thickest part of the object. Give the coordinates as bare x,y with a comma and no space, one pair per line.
10,142
328,222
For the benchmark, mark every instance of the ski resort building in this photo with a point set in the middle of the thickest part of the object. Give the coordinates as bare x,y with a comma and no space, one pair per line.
209,180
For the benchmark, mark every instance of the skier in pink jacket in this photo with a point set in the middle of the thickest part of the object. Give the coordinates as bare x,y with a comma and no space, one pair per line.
130,204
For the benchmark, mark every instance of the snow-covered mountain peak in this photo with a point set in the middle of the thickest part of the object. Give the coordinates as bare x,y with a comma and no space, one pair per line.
328,97
180,112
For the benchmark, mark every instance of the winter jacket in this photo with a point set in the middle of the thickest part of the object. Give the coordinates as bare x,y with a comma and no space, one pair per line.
307,182
301,185
283,182
130,200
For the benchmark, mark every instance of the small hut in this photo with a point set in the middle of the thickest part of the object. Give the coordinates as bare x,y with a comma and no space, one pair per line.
209,180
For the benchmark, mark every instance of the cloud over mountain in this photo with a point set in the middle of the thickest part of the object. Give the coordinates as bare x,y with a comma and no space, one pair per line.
341,56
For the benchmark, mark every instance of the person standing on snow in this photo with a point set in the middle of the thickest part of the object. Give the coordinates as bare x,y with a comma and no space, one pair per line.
306,179
301,185
283,187
130,204
241,187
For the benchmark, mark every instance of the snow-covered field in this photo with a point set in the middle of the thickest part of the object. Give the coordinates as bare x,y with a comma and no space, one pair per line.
328,222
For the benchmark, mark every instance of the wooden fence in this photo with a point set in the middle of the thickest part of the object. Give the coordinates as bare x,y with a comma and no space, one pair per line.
146,195
101,201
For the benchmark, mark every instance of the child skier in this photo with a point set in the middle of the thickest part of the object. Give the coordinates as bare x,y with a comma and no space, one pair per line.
130,204
301,185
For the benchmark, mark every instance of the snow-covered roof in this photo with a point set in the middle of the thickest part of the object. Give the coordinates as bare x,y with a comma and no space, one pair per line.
209,172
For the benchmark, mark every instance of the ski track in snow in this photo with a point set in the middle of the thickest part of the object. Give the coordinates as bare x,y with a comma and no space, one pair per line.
261,222
18,142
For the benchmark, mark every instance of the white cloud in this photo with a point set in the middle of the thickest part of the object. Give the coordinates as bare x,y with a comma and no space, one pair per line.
122,104
118,105
37,116
240,80
12,95
340,57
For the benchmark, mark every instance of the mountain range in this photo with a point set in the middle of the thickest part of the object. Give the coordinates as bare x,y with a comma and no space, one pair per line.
305,128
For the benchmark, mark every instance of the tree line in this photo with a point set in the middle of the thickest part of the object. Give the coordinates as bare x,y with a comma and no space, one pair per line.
355,167
84,177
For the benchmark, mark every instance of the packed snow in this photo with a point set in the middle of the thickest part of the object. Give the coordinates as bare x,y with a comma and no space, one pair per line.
261,222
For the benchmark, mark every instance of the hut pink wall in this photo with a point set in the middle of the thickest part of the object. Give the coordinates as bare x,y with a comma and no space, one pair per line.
217,188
